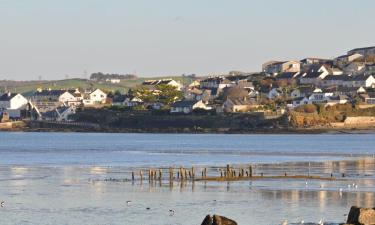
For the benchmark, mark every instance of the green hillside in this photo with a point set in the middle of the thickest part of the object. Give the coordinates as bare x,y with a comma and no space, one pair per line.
30,86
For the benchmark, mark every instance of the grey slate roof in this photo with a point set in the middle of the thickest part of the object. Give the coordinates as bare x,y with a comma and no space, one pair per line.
286,75
184,103
7,97
312,75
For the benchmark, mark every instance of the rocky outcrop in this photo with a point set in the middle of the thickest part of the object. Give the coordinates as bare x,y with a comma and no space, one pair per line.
217,220
361,216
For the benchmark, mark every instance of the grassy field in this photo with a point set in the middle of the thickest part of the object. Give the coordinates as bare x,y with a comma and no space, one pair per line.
31,86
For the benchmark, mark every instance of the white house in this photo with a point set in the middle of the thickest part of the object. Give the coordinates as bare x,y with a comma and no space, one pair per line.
187,106
113,81
360,81
96,97
169,82
12,101
318,96
71,97
239,104
12,104
302,92
300,101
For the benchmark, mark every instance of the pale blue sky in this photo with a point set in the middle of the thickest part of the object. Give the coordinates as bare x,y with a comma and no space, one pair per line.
52,38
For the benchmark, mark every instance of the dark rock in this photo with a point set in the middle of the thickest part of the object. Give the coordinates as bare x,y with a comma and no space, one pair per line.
221,220
207,220
217,220
361,216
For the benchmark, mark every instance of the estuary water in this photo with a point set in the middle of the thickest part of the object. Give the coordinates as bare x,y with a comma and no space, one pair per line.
82,178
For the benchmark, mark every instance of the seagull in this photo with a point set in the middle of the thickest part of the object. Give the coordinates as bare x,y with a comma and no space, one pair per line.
321,222
285,222
171,212
128,203
302,221
148,208
2,204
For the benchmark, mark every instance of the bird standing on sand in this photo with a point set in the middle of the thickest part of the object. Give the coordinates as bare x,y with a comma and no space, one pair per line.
171,212
128,203
2,204
321,222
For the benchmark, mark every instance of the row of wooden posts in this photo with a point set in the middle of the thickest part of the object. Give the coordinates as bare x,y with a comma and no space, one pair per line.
184,174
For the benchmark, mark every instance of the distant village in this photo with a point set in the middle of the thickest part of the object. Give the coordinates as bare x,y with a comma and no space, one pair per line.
281,87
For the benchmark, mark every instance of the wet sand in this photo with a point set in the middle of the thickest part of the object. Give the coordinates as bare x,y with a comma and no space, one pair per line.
98,195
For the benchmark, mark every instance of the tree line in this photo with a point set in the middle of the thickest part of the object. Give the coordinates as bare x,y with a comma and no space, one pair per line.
99,76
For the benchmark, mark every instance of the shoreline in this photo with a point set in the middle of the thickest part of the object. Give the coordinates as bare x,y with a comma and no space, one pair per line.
301,131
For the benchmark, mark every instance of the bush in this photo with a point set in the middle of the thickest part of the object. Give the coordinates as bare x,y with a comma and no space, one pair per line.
309,108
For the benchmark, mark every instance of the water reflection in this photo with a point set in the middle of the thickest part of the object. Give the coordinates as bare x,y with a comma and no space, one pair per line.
100,193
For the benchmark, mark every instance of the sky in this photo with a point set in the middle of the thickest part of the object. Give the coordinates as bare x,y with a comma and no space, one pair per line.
55,39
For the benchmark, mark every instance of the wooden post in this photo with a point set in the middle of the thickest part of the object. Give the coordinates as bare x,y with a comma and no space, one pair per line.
170,174
250,171
181,174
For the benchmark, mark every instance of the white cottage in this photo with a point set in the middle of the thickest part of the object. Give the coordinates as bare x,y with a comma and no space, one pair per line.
96,97
12,101
187,106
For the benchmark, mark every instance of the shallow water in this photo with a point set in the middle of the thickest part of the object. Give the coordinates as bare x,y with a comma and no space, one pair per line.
62,178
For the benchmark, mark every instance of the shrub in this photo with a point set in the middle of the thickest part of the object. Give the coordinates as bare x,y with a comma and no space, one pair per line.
309,108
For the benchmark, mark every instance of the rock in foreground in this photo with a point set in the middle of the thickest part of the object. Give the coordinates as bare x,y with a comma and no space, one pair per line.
361,216
217,220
